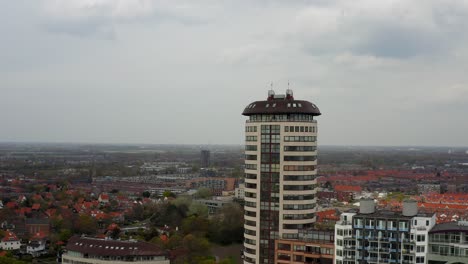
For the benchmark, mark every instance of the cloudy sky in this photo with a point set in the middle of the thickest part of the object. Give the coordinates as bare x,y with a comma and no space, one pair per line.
149,71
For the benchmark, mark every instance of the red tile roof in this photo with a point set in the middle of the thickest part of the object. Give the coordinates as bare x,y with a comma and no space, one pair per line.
9,236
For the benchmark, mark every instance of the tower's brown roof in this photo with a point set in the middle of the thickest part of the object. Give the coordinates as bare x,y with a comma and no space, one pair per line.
286,105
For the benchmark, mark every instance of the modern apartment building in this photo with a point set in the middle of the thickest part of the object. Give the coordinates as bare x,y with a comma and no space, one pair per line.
370,236
448,243
280,172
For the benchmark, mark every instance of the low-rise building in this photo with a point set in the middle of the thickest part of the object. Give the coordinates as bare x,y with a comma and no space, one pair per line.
312,246
239,191
36,247
86,250
10,241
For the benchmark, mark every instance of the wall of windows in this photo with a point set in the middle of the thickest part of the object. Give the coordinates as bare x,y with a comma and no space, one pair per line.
300,158
251,166
298,206
298,197
270,157
297,216
250,157
270,148
251,147
270,167
299,187
300,129
299,177
271,138
300,139
281,117
299,167
300,148
250,138
250,176
250,129
271,129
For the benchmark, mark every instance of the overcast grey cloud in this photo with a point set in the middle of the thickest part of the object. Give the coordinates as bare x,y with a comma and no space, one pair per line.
144,71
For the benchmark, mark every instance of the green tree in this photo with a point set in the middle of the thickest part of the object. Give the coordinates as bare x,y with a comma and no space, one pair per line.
85,224
196,246
146,194
203,193
227,226
198,209
196,225
10,260
168,194
65,234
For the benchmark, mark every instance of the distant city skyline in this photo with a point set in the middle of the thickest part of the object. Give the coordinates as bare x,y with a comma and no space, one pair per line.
386,73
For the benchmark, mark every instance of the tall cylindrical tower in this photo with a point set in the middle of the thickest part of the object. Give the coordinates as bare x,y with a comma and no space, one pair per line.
280,172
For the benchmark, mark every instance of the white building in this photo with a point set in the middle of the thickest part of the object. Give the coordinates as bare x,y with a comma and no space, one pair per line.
280,173
371,236
10,241
239,191
36,247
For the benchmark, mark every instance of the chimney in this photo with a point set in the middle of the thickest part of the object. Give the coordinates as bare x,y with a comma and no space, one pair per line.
410,208
367,206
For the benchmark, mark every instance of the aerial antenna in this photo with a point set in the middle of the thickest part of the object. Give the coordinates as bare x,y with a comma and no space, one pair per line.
271,93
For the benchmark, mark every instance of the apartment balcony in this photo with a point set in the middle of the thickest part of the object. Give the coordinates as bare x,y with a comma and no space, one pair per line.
344,223
419,228
408,241
358,226
380,227
369,227
407,252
